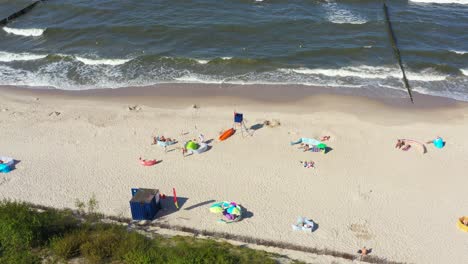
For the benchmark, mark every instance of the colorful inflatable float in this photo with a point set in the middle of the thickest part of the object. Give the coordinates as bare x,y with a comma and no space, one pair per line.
194,147
226,134
6,164
145,162
231,211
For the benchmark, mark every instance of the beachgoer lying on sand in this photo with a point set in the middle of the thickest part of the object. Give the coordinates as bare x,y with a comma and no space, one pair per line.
406,147
399,143
1,161
162,139
465,221
325,138
364,251
304,224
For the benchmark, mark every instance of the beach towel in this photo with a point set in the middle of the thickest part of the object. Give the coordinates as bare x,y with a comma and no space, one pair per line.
315,149
304,224
165,143
308,141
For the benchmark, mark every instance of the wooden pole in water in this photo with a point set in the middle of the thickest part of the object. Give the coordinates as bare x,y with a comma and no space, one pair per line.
396,51
23,11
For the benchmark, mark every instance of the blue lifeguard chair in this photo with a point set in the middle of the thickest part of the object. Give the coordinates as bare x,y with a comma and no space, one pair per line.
239,123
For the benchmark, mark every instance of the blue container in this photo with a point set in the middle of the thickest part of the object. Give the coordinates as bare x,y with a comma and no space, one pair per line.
238,118
144,204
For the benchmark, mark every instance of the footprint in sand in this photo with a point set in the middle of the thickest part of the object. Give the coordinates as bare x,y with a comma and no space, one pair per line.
4,180
54,113
361,231
134,108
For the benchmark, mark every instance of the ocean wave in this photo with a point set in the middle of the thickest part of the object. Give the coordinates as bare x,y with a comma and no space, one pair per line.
7,56
459,51
462,2
370,72
27,32
202,61
112,62
339,15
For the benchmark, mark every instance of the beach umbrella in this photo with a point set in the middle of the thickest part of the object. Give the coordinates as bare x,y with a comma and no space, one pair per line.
216,209
235,211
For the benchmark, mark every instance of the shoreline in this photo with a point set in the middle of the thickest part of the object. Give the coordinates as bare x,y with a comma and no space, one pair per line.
257,93
362,193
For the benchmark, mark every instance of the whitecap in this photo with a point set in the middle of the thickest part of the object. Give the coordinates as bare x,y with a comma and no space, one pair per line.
202,61
7,56
112,62
371,72
27,32
459,51
462,2
464,71
339,15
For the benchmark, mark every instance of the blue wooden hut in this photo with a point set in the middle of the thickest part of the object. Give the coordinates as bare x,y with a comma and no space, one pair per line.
144,203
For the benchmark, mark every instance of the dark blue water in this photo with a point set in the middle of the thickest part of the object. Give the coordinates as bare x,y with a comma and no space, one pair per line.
71,44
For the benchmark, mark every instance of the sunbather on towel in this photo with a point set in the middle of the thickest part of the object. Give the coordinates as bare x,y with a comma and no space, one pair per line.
399,143
162,139
406,147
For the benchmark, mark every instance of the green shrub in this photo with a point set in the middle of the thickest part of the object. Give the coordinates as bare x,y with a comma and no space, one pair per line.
22,229
138,257
101,244
69,246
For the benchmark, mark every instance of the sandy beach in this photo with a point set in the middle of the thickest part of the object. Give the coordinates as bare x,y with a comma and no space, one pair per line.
363,192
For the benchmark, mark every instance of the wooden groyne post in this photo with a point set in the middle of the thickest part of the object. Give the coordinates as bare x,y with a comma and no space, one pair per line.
396,51
23,11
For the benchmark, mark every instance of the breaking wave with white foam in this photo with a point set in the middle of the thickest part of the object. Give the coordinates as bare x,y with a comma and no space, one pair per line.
340,15
26,32
8,57
462,2
371,72
461,52
112,62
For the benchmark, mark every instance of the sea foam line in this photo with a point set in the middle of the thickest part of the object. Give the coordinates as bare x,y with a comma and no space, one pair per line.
370,72
7,56
462,2
27,32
